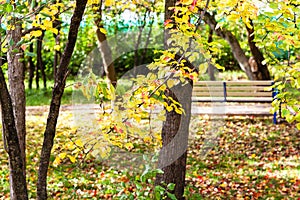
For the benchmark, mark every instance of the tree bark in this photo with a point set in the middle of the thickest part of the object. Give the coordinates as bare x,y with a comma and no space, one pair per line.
11,138
57,92
211,68
262,72
57,54
151,22
31,68
139,38
39,62
172,157
104,49
17,91
237,51
37,76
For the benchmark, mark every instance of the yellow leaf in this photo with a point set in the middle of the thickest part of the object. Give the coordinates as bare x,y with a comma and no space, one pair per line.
27,36
79,143
56,47
48,24
170,83
102,30
129,146
92,2
223,185
62,155
147,139
56,162
179,111
137,118
72,158
298,126
53,30
169,108
70,145
36,33
109,3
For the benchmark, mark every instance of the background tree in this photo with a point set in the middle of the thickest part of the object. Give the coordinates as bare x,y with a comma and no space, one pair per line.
104,47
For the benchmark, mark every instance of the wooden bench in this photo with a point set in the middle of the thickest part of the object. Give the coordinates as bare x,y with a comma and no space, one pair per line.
234,91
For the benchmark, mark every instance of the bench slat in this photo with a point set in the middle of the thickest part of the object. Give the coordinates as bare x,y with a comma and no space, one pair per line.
232,94
249,94
249,88
267,83
232,99
236,91
203,94
229,83
249,99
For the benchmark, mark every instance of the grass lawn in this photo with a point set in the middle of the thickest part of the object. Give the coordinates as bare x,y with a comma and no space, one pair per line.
42,96
250,159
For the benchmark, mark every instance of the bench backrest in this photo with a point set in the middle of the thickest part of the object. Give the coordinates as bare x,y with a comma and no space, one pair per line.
233,91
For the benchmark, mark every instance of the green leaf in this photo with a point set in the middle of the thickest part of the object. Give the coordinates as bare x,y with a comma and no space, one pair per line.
2,9
20,42
9,8
30,54
138,186
46,15
171,186
159,171
171,196
33,4
285,112
159,191
289,118
11,42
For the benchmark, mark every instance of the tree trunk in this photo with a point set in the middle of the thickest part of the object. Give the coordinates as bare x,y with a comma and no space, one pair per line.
57,93
57,54
31,68
11,138
261,72
17,90
139,39
37,76
172,157
1,63
39,62
144,54
104,48
211,68
237,51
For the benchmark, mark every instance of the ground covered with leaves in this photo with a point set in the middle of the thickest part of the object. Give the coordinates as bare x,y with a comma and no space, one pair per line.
228,158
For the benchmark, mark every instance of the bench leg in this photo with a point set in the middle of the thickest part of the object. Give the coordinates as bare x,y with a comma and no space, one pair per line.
275,118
